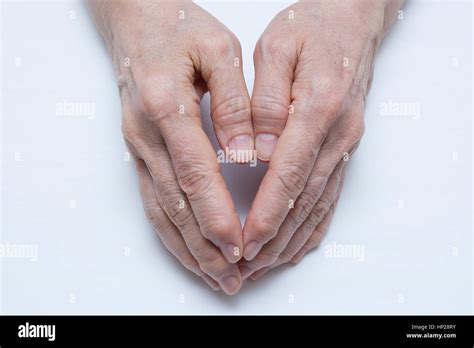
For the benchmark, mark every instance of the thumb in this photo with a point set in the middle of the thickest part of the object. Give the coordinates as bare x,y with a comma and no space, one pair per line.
230,102
271,96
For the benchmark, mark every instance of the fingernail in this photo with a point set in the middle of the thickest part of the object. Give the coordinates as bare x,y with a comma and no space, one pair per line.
265,143
251,250
230,284
243,145
260,273
299,255
232,253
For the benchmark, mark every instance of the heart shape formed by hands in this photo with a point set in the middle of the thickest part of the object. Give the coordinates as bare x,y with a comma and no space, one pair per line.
313,69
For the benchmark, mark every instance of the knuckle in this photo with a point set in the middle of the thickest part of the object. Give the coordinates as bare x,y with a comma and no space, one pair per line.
307,231
291,177
320,210
329,108
130,129
307,202
328,95
265,230
187,261
286,255
269,45
303,208
155,96
194,180
153,212
314,240
218,229
332,208
353,134
231,110
331,87
358,130
317,119
268,256
179,214
150,210
222,43
269,107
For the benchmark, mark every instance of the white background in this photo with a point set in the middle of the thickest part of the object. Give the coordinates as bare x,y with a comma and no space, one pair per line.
407,198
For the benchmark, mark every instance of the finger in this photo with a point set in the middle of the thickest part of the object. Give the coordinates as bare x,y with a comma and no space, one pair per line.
166,230
341,141
318,234
230,102
292,162
150,147
195,164
271,95
305,231
178,209
275,249
332,157
351,125
304,239
294,155
323,178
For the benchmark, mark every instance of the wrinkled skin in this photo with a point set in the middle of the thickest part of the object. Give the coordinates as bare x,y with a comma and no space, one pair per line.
166,56
313,69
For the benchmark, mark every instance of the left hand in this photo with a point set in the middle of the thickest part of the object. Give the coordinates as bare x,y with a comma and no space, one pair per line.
176,52
313,69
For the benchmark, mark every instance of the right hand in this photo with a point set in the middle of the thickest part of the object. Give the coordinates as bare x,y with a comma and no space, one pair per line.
166,55
313,69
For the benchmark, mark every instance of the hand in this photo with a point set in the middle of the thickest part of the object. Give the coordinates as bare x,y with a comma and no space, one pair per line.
313,68
166,55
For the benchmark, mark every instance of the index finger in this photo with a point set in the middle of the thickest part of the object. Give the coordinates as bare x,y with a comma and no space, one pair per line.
197,170
289,168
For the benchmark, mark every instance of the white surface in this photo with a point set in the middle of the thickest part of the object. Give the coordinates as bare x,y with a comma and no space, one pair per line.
418,259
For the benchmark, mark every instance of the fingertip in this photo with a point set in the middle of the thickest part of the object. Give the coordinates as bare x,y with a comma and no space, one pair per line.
241,148
230,284
232,253
265,144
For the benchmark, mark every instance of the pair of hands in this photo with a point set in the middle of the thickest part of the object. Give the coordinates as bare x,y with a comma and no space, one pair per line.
313,68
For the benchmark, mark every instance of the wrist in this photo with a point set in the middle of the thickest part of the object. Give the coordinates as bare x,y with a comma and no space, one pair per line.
382,13
391,11
101,12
